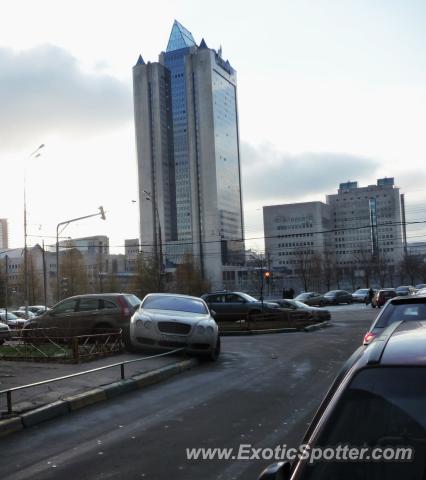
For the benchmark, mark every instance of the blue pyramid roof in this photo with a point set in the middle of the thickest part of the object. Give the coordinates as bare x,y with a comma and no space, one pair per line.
203,44
179,38
140,61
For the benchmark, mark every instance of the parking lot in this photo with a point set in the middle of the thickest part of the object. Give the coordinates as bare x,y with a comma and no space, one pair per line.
263,391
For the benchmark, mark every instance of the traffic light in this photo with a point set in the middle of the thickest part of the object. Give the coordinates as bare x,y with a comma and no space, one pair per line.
102,213
267,276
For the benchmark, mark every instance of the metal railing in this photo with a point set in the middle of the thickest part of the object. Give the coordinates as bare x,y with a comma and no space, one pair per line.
9,391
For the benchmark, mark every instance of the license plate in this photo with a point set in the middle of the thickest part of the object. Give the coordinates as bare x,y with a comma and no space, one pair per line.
172,338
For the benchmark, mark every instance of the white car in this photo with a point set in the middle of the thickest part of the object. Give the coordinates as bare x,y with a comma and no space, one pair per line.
167,321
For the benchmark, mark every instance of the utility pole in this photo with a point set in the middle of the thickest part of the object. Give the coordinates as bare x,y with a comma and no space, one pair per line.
44,277
6,259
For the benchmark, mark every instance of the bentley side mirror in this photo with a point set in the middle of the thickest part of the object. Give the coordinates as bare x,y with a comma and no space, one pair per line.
213,313
276,471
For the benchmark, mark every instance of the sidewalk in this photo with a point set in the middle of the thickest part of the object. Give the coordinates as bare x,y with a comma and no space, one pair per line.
14,374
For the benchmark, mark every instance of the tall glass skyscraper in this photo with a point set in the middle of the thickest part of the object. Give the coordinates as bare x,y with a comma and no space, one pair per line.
186,120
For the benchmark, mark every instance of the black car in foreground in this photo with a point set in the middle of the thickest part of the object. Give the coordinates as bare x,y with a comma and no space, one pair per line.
377,403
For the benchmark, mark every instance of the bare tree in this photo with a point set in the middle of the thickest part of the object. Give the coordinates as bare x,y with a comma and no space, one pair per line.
74,280
146,276
328,260
410,267
188,277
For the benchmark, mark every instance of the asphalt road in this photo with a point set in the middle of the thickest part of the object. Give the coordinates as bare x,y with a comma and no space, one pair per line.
263,391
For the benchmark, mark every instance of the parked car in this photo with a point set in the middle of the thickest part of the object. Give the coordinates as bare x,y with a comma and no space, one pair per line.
311,298
22,314
313,313
422,291
420,286
12,320
360,295
405,290
382,296
398,308
377,401
167,321
4,333
335,297
233,306
88,314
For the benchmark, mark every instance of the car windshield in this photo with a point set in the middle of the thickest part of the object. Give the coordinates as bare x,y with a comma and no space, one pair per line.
10,316
247,297
389,414
332,292
303,295
395,312
362,291
179,304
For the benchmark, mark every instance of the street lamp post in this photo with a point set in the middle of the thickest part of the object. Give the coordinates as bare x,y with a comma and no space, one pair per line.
158,248
34,154
65,224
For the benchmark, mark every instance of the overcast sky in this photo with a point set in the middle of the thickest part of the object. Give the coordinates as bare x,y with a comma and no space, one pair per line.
328,91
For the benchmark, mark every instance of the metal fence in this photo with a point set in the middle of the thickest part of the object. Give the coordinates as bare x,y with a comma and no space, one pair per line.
46,345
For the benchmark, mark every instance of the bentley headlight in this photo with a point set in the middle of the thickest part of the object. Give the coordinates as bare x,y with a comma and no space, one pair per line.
210,330
147,323
201,329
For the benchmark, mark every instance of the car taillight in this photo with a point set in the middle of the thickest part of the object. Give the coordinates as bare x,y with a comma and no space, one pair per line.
123,305
369,337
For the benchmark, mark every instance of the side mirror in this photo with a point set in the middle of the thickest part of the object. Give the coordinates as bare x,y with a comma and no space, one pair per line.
276,471
213,313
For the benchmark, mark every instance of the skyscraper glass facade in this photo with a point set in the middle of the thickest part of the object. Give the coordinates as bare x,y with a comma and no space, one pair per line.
175,62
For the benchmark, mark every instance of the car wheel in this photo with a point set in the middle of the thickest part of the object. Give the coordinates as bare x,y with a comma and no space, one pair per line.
2,340
128,342
214,354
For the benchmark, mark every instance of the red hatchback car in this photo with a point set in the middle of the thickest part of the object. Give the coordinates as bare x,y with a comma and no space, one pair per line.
382,296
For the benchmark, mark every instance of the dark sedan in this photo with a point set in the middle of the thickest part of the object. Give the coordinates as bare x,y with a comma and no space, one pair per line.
235,306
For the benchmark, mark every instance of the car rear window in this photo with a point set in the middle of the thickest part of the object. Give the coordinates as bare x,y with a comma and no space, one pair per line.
179,304
396,312
389,413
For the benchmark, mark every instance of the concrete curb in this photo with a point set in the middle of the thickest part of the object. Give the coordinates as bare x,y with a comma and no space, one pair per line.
10,425
46,412
85,399
317,326
239,333
96,395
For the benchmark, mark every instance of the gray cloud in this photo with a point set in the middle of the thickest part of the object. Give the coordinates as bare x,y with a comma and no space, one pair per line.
273,176
43,90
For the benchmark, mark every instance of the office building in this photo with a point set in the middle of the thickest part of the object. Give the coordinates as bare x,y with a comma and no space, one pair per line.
187,139
293,231
356,227
4,235
367,220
